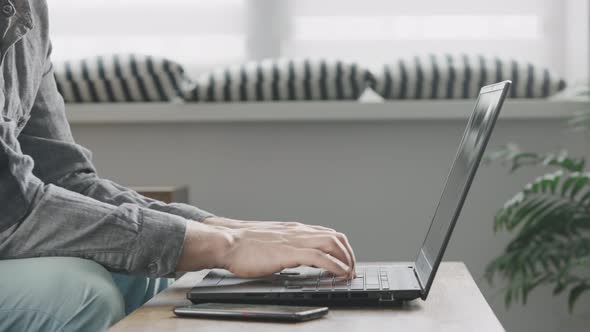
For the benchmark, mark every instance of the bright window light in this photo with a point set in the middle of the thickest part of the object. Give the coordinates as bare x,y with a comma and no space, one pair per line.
182,48
467,27
58,4
457,27
203,34
192,32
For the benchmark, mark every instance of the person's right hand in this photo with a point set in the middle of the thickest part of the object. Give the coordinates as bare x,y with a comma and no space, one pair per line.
261,250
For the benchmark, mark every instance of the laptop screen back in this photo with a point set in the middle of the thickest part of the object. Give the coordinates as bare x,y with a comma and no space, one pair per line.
471,148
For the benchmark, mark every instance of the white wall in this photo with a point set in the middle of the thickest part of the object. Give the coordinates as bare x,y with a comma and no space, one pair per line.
377,181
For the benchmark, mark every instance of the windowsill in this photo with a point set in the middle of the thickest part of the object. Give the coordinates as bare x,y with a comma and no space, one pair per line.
310,111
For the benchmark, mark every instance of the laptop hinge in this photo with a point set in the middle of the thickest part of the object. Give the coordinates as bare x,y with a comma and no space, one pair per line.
418,279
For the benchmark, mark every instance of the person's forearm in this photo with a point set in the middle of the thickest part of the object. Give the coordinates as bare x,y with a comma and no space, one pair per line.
126,238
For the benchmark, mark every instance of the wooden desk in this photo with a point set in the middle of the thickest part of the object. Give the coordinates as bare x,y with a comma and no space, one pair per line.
454,304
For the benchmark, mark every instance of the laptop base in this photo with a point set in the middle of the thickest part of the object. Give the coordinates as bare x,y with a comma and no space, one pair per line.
390,285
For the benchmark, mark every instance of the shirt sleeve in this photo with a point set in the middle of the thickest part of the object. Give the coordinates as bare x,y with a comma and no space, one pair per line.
53,204
60,161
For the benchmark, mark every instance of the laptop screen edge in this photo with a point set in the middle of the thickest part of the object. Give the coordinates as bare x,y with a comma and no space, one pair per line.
426,268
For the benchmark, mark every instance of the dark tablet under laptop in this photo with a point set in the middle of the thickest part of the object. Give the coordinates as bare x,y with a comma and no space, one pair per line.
374,283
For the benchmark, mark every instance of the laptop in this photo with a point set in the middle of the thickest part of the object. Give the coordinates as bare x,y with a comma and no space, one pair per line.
375,283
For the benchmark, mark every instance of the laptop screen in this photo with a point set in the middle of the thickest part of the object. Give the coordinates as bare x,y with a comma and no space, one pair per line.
471,148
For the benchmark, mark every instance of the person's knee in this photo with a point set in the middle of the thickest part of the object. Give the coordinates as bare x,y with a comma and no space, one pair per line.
69,294
101,303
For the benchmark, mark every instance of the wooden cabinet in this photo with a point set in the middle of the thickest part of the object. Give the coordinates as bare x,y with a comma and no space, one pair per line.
166,194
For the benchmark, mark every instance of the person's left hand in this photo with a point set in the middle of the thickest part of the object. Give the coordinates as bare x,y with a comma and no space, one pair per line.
277,226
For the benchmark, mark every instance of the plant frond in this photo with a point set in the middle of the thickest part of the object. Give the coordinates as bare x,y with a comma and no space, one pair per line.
551,221
575,294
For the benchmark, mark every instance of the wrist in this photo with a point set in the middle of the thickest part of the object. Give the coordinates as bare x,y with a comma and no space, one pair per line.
220,246
205,247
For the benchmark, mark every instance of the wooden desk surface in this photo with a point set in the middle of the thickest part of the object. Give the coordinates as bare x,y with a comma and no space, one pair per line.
454,304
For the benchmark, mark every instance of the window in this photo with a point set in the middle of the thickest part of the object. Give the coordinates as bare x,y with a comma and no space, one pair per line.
378,30
205,33
198,33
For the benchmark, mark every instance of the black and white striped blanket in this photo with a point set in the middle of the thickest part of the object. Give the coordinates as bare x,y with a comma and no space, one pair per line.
135,78
282,79
461,76
120,78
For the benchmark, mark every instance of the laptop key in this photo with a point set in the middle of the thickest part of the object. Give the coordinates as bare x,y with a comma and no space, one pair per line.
325,284
372,280
341,284
357,284
306,285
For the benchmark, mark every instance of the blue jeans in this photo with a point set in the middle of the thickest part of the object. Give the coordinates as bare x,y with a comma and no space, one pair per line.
67,294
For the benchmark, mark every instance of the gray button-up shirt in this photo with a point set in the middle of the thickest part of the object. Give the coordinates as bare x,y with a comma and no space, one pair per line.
52,202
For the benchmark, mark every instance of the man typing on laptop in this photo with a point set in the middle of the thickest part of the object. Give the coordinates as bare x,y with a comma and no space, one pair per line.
62,226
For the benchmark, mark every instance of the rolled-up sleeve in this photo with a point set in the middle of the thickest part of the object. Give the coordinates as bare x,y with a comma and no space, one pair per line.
54,204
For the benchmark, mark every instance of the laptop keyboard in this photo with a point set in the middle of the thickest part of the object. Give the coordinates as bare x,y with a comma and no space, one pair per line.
369,278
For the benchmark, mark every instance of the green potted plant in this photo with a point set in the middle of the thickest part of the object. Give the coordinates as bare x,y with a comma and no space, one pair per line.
550,223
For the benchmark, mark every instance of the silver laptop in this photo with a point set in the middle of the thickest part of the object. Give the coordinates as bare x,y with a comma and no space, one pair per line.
374,284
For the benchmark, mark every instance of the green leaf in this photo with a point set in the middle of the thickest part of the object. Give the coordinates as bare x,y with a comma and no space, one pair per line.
550,222
585,199
567,184
575,294
580,183
559,288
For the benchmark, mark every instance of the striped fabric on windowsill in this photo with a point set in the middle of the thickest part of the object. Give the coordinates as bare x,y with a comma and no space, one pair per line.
461,76
120,78
282,79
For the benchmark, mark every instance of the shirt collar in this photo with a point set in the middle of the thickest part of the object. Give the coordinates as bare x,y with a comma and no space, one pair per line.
16,19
